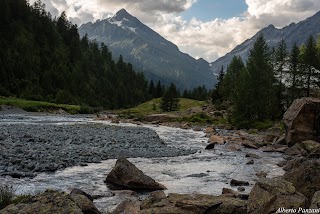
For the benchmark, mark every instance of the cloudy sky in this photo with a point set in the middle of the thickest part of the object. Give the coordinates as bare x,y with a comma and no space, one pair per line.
201,28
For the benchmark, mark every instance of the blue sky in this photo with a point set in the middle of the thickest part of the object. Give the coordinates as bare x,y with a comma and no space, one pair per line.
206,10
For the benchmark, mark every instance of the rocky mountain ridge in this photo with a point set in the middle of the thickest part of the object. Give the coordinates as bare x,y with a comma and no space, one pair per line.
148,51
293,33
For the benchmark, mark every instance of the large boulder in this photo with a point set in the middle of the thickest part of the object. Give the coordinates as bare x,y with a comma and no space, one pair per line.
195,204
302,121
126,175
52,201
305,177
268,195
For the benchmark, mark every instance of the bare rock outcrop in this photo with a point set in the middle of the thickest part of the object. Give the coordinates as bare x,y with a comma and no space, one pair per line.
268,195
52,201
187,204
126,175
302,121
305,177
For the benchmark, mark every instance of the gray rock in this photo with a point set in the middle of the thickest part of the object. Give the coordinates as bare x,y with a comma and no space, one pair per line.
125,175
268,195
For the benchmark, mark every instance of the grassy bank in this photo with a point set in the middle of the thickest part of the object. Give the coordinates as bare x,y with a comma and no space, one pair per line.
39,106
153,106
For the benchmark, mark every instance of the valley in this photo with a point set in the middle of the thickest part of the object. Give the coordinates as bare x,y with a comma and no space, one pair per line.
101,113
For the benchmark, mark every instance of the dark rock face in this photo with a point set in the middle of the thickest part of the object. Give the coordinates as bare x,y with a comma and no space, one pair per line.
126,175
53,202
191,204
302,121
305,177
268,195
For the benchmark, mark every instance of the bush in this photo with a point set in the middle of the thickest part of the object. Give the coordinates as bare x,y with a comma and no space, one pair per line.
6,196
86,110
260,125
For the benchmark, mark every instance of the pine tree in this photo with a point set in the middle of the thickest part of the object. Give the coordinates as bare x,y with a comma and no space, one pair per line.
216,95
281,55
294,76
280,62
309,56
256,98
170,100
231,78
158,90
151,90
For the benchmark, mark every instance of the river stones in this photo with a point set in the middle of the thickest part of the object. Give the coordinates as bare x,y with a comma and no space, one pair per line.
126,175
29,149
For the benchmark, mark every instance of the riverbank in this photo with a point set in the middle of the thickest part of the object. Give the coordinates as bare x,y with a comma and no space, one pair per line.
204,172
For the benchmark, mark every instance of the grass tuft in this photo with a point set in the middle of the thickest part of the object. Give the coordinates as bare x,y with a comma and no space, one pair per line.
6,196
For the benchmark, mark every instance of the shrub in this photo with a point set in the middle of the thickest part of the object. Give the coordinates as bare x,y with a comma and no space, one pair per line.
260,125
85,110
6,196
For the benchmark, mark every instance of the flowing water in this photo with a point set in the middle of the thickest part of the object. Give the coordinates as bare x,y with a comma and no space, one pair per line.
205,172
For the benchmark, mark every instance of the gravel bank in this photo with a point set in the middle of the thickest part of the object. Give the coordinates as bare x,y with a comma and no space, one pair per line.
28,149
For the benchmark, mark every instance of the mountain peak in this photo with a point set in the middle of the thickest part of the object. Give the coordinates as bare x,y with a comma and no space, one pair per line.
122,14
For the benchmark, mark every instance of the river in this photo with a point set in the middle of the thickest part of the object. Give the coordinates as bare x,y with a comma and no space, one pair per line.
206,171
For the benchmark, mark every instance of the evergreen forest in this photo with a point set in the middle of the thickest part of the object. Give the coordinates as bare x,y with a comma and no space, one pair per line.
270,80
43,58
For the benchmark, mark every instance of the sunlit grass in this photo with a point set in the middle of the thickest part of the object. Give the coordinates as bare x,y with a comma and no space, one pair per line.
37,106
153,106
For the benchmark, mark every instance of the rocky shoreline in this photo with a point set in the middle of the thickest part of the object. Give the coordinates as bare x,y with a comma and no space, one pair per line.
28,149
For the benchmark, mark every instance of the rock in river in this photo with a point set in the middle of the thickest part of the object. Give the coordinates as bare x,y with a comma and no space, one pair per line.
126,175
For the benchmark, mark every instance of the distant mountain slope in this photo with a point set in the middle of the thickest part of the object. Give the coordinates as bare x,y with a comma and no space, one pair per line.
157,57
292,33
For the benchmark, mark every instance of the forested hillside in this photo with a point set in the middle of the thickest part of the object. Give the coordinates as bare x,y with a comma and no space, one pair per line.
43,58
266,85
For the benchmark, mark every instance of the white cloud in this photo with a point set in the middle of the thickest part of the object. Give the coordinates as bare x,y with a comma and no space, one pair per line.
208,40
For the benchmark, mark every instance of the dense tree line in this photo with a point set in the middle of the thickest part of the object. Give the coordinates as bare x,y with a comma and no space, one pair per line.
271,79
198,93
43,58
